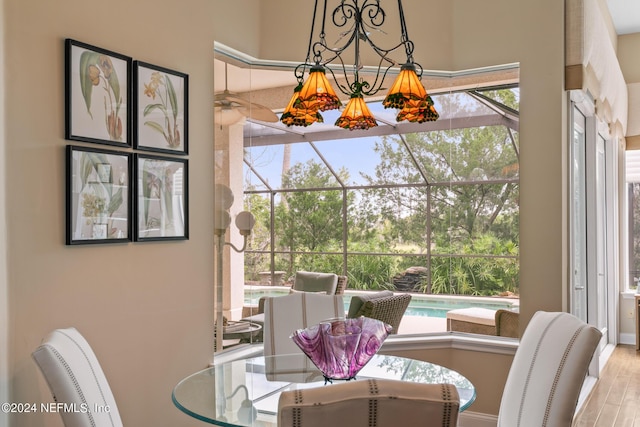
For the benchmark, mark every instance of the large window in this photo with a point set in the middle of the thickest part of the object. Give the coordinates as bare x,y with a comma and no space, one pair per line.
439,199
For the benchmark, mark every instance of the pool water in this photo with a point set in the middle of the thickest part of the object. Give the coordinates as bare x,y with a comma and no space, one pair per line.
421,305
438,307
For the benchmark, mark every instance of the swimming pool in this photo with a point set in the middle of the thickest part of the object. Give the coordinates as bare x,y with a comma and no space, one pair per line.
421,304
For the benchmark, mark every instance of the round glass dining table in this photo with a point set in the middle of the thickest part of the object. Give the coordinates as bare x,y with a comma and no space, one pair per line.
245,392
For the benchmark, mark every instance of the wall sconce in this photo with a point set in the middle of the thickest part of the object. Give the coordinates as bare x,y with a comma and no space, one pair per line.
222,219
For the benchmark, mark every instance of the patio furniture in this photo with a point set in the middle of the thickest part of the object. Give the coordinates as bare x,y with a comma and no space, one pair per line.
267,276
548,371
478,320
475,320
385,306
259,316
342,285
370,402
285,314
308,281
507,323
75,377
243,332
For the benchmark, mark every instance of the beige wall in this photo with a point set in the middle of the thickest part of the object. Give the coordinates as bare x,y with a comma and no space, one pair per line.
628,46
4,290
146,308
506,31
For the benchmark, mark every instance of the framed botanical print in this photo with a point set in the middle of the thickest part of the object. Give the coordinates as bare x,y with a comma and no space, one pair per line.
161,105
98,196
97,95
161,198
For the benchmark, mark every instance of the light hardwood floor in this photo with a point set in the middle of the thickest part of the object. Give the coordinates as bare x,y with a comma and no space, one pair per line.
614,402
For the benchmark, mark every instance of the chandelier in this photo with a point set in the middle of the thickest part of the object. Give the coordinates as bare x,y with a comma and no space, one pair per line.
356,20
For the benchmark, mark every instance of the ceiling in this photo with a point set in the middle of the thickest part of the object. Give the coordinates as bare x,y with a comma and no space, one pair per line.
625,15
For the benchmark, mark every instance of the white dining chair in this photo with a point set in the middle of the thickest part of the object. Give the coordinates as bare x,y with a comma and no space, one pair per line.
283,315
548,371
286,314
370,403
75,378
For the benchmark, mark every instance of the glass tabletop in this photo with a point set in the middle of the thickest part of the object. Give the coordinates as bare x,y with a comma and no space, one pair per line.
245,392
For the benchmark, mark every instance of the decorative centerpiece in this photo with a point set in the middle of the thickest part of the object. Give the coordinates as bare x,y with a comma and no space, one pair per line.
341,348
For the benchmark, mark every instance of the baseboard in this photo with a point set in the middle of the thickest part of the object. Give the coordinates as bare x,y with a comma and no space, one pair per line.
629,339
477,419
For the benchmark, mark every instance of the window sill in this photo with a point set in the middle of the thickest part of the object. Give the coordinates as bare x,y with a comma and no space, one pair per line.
457,340
628,294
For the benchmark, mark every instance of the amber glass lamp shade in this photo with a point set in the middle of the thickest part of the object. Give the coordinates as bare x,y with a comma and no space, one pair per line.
317,89
406,87
418,112
356,115
299,113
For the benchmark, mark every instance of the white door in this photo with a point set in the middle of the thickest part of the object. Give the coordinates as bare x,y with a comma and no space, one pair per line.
578,217
599,294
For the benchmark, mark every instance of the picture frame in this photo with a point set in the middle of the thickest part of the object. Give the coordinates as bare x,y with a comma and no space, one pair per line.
161,109
98,196
161,198
97,95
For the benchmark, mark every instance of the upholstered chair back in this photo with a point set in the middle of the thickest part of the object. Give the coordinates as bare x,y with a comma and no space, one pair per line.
370,403
283,315
76,379
548,371
309,281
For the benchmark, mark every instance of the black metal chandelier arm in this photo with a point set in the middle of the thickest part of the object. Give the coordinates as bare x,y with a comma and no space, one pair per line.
384,53
404,33
300,71
343,88
313,24
376,86
344,13
350,10
376,14
320,47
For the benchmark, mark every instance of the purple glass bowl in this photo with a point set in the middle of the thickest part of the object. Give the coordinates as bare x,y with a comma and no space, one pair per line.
341,348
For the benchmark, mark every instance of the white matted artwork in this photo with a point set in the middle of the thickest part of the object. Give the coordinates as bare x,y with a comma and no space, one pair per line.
98,196
161,109
162,207
97,95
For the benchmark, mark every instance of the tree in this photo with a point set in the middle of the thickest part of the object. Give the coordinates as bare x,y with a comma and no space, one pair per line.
452,204
310,221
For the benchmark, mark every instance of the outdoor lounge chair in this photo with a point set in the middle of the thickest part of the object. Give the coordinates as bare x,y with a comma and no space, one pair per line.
485,321
384,306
